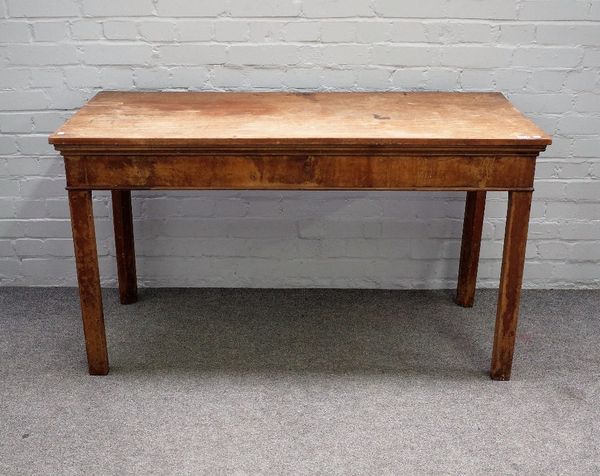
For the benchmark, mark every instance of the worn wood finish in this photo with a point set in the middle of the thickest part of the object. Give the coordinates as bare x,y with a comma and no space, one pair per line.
124,245
300,172
203,119
511,278
469,251
88,277
285,141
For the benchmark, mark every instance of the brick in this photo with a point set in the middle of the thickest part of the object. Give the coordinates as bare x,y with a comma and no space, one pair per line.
346,54
184,8
16,123
409,32
538,103
34,145
82,77
117,8
35,8
7,208
339,79
338,32
582,80
232,31
400,55
373,79
42,188
587,147
421,9
229,78
23,100
266,31
549,57
585,251
547,81
301,31
570,124
189,76
469,33
153,79
50,31
573,230
192,54
510,79
584,190
578,272
15,32
46,122
195,30
265,78
6,249
265,8
32,209
263,54
158,31
477,57
302,78
336,8
559,34
369,32
102,54
120,30
477,80
490,9
574,210
86,30
409,78
591,58
36,54
553,10
587,102
443,79
9,188
115,77
47,78
517,34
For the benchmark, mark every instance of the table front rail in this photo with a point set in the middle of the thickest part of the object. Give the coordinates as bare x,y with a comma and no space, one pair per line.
300,172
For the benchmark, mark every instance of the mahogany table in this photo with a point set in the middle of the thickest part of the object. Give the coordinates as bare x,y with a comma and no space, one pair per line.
475,142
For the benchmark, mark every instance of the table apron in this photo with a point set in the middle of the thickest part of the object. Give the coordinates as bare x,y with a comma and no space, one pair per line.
300,172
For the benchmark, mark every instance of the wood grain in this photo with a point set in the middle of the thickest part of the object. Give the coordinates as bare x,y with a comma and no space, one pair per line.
88,277
219,119
470,246
300,172
511,278
124,245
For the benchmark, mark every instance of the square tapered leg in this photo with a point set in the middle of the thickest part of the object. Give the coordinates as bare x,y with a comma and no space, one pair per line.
469,251
124,245
88,277
511,279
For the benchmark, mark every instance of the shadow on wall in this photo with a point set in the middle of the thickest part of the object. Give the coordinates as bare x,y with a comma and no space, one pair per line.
313,239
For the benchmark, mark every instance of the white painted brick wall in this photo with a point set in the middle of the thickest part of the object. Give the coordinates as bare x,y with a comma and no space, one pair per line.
544,54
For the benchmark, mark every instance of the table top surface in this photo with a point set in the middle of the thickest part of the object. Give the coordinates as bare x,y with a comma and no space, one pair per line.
363,119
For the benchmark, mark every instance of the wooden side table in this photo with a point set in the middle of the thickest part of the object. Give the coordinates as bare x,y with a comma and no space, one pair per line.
475,142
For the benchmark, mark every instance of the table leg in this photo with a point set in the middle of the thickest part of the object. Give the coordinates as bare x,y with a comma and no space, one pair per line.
124,244
511,279
469,251
88,277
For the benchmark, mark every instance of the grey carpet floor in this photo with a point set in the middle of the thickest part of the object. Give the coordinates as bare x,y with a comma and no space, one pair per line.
248,381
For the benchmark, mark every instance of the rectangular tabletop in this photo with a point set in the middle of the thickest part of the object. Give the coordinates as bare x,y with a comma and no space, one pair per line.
204,119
